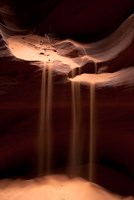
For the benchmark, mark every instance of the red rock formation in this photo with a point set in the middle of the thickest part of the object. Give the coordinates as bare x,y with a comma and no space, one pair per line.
20,83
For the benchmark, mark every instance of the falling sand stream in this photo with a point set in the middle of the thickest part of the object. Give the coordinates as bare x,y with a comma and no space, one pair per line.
45,135
92,129
76,148
76,145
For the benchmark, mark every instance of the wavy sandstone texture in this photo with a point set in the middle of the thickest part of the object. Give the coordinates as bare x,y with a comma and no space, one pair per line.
20,85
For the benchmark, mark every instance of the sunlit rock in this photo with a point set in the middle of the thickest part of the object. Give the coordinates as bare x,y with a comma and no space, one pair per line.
108,64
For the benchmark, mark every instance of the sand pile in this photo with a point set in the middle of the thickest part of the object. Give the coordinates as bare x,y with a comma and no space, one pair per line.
55,188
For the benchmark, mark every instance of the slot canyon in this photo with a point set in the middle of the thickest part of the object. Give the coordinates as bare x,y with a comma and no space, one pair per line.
66,100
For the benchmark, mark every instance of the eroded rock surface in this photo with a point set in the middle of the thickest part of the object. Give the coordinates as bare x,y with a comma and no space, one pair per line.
20,85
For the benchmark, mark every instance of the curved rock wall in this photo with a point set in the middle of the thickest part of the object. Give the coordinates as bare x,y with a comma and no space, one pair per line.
20,83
